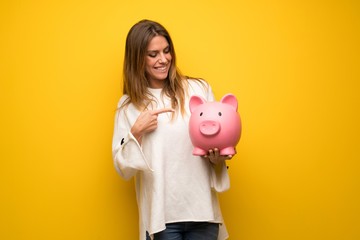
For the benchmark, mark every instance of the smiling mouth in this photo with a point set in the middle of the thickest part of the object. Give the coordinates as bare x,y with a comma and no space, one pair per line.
161,69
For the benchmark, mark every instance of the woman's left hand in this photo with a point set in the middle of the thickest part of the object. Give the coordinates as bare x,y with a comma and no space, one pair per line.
215,157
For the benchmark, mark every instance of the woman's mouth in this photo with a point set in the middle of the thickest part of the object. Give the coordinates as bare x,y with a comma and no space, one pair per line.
161,69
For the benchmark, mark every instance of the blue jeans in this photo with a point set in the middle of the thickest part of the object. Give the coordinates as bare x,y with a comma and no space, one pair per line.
188,231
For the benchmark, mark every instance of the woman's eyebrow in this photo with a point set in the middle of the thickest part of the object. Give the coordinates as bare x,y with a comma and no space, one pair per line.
158,50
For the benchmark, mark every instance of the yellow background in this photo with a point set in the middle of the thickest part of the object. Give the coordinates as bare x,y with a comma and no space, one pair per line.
293,65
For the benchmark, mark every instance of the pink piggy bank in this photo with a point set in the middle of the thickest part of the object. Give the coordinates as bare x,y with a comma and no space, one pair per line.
214,125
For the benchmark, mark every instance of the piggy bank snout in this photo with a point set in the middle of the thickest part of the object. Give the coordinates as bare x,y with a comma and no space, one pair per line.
210,128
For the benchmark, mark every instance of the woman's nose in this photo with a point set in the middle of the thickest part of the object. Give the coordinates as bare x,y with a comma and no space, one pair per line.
163,58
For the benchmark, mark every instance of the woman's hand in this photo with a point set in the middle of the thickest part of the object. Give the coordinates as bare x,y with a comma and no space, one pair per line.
215,157
147,122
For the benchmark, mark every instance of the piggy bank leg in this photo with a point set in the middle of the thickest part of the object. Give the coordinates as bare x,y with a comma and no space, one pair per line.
199,152
227,151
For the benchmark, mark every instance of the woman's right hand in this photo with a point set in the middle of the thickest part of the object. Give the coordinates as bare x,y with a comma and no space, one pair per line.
147,122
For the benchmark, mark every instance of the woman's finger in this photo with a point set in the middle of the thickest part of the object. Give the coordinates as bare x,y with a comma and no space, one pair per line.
162,110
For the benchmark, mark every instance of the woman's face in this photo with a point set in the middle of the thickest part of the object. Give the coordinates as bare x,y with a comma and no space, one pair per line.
157,61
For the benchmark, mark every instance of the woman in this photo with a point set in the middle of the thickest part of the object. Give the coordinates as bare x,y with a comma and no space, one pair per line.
176,191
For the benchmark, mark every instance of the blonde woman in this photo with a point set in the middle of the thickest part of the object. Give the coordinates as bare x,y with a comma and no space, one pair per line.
176,191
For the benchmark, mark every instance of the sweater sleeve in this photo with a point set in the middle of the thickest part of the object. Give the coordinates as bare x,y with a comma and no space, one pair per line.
220,180
126,151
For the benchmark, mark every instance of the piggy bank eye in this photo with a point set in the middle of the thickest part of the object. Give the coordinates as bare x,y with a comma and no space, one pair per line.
201,114
220,114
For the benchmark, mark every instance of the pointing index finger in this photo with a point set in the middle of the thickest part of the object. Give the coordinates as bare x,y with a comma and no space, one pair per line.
163,110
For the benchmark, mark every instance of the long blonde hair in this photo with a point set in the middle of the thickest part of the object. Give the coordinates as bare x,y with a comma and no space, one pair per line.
135,81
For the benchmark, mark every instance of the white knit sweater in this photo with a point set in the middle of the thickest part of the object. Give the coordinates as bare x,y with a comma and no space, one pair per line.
172,185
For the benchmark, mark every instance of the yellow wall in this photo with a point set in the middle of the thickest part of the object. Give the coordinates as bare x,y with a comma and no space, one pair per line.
294,66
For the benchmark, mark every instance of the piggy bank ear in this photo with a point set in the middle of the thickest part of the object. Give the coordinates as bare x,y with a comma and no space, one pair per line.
195,101
231,100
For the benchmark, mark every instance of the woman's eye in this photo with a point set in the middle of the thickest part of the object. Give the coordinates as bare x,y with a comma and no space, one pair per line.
152,55
167,50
